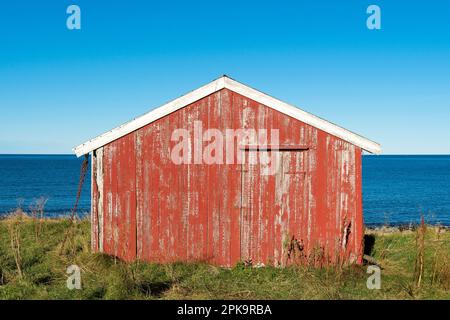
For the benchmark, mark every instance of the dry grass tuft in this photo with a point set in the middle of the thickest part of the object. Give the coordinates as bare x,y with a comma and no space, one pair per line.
43,275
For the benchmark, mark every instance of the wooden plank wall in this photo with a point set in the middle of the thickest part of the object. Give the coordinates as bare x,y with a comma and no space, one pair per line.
152,209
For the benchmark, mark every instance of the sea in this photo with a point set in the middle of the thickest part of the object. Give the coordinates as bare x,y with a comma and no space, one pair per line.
397,189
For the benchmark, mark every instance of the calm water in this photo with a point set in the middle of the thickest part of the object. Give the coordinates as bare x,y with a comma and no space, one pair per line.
396,189
24,178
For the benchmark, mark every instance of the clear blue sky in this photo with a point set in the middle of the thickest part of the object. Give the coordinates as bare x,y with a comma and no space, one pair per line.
59,88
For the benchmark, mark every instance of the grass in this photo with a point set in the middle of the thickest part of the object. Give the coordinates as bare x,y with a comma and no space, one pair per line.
33,266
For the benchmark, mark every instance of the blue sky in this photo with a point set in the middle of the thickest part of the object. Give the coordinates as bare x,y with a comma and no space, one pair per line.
59,87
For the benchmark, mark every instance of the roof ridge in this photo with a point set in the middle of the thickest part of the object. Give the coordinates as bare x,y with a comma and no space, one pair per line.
226,82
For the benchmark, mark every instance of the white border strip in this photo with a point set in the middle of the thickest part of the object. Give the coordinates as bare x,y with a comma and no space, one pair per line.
303,116
216,85
149,117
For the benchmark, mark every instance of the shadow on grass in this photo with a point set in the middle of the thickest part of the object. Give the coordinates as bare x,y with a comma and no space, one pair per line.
155,289
369,244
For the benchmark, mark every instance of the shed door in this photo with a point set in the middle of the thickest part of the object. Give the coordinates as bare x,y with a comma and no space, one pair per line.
273,203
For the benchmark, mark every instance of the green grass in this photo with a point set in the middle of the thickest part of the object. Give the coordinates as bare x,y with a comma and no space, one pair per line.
43,265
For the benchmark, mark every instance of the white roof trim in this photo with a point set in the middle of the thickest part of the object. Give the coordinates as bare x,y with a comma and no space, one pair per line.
216,85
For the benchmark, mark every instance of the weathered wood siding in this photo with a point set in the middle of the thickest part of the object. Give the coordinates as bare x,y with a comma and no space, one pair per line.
146,207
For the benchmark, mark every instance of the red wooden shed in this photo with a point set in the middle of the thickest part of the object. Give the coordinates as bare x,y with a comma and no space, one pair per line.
225,174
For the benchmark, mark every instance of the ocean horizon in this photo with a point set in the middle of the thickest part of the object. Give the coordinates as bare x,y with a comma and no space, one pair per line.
397,189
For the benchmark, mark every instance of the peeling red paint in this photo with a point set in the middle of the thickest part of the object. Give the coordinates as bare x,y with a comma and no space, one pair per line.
155,210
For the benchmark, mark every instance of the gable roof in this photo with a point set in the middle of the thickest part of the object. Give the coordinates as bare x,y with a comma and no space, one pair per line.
216,85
